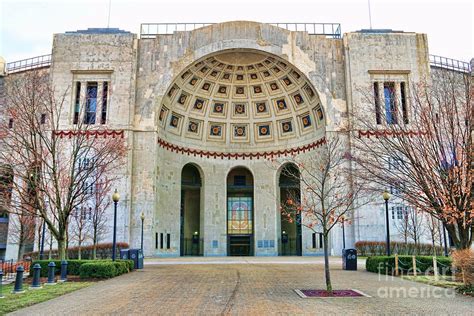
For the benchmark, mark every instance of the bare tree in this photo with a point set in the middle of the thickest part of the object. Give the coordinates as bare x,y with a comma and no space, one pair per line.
49,155
423,149
433,231
326,198
79,228
100,202
21,231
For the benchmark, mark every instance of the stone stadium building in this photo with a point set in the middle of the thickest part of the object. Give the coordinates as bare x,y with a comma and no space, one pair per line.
204,108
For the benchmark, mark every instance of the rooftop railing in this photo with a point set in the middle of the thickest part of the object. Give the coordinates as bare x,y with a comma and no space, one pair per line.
29,63
449,63
151,30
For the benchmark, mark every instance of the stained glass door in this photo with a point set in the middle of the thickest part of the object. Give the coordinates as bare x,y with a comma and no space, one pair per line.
240,225
239,216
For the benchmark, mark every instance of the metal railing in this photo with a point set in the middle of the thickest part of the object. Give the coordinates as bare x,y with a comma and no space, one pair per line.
151,30
29,63
449,63
8,267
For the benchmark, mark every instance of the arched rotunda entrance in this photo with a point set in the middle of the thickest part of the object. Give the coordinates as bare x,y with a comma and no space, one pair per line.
231,118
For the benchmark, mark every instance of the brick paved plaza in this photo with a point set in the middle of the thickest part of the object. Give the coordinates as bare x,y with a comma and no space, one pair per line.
253,286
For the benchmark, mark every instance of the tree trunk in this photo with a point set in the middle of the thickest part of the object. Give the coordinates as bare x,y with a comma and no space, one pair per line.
327,273
461,236
94,248
62,248
79,252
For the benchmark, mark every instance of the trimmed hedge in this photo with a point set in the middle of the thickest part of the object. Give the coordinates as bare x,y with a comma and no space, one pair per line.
386,265
74,266
98,270
104,251
377,248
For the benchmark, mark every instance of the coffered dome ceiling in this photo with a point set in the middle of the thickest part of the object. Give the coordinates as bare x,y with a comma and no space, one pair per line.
241,101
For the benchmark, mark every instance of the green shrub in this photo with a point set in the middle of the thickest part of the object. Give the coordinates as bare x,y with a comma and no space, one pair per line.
130,264
73,266
466,289
377,248
99,270
122,267
386,265
104,251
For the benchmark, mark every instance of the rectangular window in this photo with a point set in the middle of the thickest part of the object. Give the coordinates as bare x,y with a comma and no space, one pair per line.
393,212
314,240
377,103
105,94
10,123
168,241
77,103
404,102
91,103
399,212
43,119
320,240
161,241
156,240
390,102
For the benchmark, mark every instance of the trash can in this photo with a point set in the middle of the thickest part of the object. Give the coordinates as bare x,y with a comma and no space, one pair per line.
137,257
124,254
349,259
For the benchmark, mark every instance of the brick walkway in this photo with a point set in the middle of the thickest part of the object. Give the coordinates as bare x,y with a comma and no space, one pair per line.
250,288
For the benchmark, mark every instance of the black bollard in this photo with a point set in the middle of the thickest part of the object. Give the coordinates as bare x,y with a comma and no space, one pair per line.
36,277
63,271
19,280
51,273
1,278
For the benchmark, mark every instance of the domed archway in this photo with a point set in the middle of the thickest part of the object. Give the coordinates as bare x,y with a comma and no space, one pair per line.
240,101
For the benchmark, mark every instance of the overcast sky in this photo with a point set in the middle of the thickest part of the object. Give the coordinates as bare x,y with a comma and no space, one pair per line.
27,27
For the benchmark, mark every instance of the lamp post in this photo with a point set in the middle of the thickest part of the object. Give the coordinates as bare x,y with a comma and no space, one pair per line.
115,198
343,234
41,255
142,217
386,197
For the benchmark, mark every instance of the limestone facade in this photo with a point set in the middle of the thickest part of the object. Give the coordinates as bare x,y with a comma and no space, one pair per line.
226,96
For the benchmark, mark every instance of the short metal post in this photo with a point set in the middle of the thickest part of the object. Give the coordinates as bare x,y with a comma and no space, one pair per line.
63,271
19,280
51,273
435,269
36,277
414,265
1,279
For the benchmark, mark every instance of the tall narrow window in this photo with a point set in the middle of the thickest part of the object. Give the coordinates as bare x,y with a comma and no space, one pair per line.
314,240
91,103
168,241
156,240
377,103
77,103
161,241
390,103
105,93
43,118
10,123
403,97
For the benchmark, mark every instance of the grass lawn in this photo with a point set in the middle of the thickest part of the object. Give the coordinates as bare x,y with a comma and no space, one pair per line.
443,280
12,302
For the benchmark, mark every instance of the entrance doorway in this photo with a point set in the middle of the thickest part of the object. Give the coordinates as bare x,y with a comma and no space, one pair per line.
291,233
240,213
190,233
